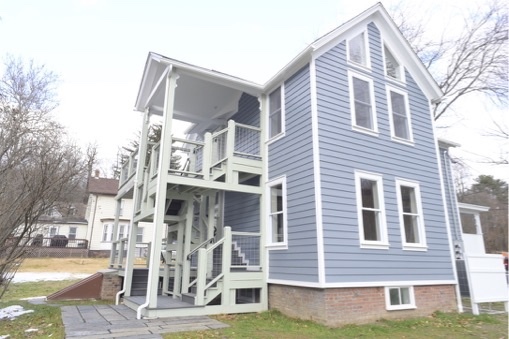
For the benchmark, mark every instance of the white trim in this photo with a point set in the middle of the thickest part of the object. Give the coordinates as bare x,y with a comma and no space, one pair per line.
472,209
388,90
365,35
438,155
281,134
269,243
383,243
410,305
351,75
361,284
317,173
421,229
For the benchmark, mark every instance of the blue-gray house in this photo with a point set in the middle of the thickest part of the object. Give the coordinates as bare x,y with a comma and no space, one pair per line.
319,193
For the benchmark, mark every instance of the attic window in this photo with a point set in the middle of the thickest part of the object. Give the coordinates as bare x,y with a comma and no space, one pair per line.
357,49
392,67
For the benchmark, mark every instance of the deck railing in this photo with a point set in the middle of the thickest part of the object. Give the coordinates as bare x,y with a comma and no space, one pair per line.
197,158
235,251
119,249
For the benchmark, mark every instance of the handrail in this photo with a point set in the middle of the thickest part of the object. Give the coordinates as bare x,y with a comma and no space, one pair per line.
188,141
254,128
210,240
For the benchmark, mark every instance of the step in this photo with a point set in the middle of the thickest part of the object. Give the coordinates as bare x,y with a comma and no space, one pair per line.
189,298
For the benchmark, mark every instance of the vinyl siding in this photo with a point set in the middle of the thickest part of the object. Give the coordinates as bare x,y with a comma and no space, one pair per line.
344,150
249,111
292,156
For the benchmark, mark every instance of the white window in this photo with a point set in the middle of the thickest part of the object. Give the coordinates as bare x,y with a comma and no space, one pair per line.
107,232
371,210
362,103
392,67
53,230
357,49
399,298
139,235
277,224
410,215
399,113
276,112
72,232
121,230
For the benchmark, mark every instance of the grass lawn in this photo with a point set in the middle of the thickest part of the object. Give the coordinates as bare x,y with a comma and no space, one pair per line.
47,320
68,265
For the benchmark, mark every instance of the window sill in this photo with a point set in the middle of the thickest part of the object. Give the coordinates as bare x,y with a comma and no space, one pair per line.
408,142
401,307
375,245
365,130
416,247
275,138
359,67
277,246
395,81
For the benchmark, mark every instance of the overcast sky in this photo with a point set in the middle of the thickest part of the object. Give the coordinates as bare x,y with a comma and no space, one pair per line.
99,49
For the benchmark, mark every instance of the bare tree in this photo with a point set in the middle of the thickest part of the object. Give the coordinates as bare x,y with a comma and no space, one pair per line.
474,61
39,167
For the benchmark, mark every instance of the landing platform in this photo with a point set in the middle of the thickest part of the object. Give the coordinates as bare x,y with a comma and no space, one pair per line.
119,321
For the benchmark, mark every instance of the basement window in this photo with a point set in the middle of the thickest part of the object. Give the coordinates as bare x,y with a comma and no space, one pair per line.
399,298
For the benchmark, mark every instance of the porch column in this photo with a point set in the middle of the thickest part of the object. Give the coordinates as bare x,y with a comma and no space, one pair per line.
263,213
160,200
133,228
114,261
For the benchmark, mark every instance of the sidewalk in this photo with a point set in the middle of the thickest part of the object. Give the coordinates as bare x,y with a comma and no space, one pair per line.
119,321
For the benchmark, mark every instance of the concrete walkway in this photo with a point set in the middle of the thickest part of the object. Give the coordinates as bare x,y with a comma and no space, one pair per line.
119,321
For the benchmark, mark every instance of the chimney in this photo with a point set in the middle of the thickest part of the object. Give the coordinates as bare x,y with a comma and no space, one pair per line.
96,174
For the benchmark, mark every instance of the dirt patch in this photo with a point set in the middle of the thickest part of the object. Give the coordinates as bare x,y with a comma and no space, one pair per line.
70,265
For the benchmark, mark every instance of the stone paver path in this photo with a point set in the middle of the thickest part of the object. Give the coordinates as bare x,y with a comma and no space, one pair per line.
119,321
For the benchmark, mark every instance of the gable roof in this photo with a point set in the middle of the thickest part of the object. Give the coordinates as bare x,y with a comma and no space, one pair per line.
102,186
391,33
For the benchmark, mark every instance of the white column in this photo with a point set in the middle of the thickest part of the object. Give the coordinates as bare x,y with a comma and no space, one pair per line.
160,200
133,229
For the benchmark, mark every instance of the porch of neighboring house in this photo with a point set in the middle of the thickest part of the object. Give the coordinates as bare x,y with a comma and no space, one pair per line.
196,265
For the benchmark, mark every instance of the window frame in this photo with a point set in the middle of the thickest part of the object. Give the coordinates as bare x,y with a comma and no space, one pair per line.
72,235
394,137
421,228
107,232
411,295
374,130
383,243
367,58
139,233
279,135
400,68
270,243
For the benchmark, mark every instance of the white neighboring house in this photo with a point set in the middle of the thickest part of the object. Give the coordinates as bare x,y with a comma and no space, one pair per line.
101,216
73,225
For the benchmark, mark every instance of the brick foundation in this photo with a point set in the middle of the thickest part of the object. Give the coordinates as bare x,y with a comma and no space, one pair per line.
111,284
340,306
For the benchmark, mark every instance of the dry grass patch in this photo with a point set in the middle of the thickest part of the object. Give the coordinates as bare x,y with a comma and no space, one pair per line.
68,265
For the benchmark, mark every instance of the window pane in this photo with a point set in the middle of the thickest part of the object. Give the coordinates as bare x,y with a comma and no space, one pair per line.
139,234
357,51
276,198
394,296
391,65
72,232
277,227
399,115
411,230
405,296
370,225
362,100
369,193
408,199
275,125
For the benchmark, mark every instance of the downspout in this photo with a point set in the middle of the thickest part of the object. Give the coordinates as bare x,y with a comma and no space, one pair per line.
448,178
